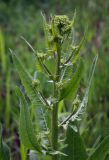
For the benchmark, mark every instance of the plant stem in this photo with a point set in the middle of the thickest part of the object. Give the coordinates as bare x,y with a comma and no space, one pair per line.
55,129
55,107
58,62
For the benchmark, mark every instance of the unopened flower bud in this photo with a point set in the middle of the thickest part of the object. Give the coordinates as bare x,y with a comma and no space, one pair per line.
41,55
61,26
59,85
35,83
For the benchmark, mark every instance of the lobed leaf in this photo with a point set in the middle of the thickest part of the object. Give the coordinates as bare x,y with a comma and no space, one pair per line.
42,119
27,134
26,80
83,104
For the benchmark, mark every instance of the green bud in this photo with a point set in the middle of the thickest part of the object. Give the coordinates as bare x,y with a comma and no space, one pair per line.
42,55
59,85
35,83
76,103
51,51
73,48
62,60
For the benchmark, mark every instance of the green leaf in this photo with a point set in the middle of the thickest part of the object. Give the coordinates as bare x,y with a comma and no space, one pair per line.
75,149
27,134
38,66
4,149
77,52
42,119
83,104
23,151
101,151
2,52
70,89
46,30
51,65
26,81
80,111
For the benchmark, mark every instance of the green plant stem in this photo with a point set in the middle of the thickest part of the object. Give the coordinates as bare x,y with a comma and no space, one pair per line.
55,129
55,107
58,62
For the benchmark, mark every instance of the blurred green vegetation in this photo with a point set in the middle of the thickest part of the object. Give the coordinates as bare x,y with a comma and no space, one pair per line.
23,18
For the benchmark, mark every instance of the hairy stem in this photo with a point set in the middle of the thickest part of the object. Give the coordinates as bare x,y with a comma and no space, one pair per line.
55,129
58,62
55,107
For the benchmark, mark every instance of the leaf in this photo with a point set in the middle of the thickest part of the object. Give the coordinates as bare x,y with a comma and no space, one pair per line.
51,65
101,151
26,80
75,149
83,104
77,52
2,52
27,134
46,30
70,89
42,119
38,66
4,149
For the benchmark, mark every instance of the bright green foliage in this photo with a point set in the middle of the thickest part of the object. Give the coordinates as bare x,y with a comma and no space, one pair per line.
95,14
26,130
27,81
82,108
54,65
29,84
75,149
69,90
77,50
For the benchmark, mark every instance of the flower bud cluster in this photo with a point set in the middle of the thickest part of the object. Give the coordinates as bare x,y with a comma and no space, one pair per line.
60,27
